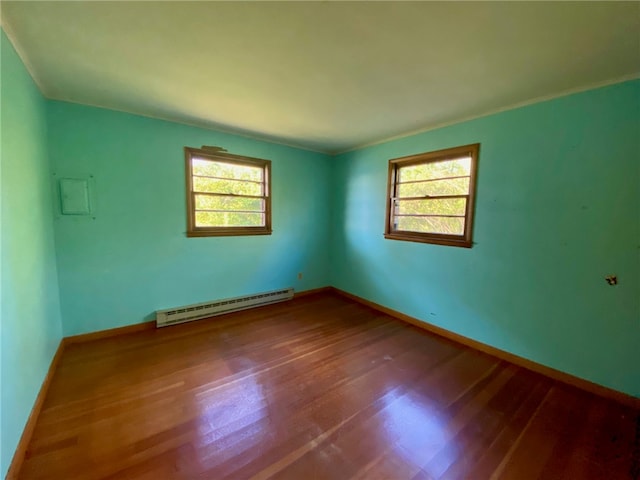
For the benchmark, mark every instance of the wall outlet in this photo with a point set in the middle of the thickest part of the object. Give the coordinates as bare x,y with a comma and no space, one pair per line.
300,276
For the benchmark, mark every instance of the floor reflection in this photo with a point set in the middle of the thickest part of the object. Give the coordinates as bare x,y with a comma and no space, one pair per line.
233,419
419,433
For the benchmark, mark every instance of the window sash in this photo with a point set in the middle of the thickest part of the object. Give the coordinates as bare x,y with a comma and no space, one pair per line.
195,230
439,215
429,197
229,179
439,179
393,198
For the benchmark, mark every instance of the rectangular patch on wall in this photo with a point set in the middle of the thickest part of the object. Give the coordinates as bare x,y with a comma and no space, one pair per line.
74,196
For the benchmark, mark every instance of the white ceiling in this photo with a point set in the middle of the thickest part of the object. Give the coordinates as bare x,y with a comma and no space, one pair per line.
327,76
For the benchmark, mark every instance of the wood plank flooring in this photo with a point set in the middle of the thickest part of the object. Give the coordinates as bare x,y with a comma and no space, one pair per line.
317,388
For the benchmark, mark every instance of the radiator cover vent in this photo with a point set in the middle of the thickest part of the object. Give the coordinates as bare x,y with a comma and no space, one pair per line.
198,311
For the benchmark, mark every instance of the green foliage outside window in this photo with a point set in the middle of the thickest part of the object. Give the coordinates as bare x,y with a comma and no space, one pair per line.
424,180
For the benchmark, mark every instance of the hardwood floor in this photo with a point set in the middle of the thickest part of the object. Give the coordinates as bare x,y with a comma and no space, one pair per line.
317,388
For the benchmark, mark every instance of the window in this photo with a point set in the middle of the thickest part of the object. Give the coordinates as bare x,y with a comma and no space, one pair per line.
430,197
226,194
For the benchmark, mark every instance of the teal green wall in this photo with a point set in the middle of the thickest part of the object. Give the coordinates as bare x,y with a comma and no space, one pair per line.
31,327
558,208
134,257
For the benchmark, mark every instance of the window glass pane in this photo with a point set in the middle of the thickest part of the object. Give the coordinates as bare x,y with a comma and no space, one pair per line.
426,171
213,185
455,186
446,206
226,170
443,225
229,219
207,202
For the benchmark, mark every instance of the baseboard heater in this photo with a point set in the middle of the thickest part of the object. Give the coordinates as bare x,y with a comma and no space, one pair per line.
188,313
